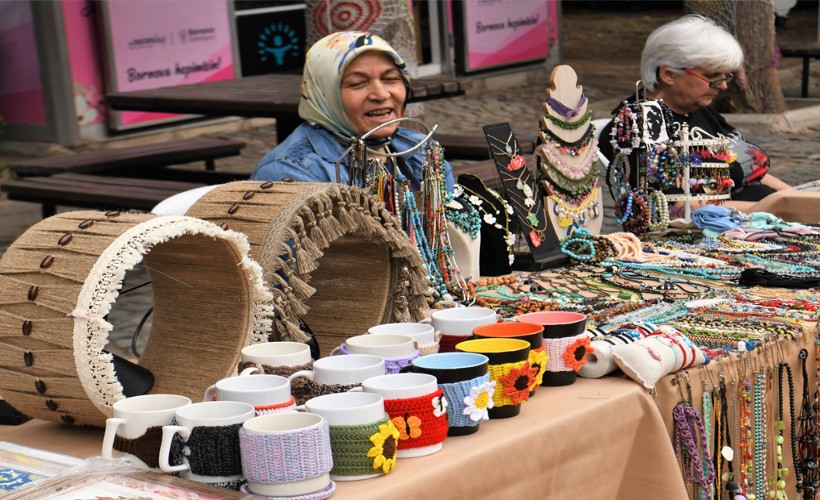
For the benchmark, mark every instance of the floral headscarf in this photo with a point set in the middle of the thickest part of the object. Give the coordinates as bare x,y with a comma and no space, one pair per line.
325,64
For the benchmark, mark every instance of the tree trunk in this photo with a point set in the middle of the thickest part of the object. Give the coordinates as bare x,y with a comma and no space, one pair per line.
754,29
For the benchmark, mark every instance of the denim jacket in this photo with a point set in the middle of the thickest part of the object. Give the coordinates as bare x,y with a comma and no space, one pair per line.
309,154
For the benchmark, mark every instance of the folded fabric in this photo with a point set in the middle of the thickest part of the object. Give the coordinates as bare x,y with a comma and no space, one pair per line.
716,219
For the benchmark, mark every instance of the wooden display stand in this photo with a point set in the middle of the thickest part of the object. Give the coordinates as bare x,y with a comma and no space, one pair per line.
565,216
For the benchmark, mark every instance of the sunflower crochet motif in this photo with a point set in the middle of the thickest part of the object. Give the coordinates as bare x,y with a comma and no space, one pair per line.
385,446
517,383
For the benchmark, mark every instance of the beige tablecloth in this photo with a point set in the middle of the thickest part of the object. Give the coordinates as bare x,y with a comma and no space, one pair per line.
595,439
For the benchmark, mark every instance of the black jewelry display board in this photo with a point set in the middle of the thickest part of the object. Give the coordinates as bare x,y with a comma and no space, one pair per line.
523,194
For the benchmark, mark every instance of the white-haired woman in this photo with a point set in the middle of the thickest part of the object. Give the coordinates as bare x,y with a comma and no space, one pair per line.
352,82
686,63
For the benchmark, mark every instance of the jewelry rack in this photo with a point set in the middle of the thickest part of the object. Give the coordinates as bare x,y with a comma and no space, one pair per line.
665,155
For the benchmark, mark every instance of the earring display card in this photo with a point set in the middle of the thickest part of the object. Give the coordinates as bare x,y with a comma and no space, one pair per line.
521,191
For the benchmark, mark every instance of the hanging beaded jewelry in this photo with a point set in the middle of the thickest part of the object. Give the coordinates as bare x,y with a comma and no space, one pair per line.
528,203
571,172
564,146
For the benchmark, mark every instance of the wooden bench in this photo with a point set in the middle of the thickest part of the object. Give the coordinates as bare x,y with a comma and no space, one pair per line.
123,160
806,53
100,192
474,147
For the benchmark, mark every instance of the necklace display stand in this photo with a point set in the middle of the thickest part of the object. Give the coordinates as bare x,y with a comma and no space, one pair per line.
567,158
521,191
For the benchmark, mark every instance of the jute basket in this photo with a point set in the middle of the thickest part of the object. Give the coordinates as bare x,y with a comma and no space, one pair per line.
59,280
332,255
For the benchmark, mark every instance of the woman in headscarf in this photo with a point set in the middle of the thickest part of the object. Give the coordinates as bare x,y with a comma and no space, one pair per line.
351,83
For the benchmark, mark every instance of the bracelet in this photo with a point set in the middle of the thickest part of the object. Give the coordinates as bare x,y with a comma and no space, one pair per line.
365,448
468,401
421,421
512,382
286,457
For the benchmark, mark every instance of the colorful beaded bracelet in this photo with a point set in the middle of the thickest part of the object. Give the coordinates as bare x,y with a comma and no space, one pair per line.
286,457
421,421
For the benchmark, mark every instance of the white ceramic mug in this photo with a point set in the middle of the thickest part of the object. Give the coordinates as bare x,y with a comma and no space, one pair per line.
421,333
275,354
387,346
133,417
205,414
267,393
303,437
460,320
408,386
343,370
348,408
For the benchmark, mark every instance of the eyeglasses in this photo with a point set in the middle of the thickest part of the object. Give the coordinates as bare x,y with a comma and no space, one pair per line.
713,83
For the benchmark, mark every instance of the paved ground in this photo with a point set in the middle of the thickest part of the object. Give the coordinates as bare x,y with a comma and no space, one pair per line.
794,153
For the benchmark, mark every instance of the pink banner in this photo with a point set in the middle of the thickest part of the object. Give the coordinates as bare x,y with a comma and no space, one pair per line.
505,32
160,43
80,19
21,93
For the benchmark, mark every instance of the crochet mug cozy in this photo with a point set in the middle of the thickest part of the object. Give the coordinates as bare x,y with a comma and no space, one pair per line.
135,430
529,332
465,383
509,370
286,454
559,325
204,443
417,407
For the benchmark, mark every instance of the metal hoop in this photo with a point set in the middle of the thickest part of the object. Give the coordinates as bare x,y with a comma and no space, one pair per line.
423,141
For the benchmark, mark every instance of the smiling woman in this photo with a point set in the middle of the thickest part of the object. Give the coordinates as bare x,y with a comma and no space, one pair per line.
352,83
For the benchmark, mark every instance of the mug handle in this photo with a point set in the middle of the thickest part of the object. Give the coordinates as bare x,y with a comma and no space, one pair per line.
336,351
111,426
210,394
251,370
358,388
407,368
168,432
426,321
302,373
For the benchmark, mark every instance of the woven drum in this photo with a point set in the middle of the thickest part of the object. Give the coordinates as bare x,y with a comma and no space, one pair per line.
60,279
331,253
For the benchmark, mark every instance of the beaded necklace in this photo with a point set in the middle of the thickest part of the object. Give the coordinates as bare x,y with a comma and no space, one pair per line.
463,213
806,456
435,222
709,491
759,436
556,165
564,146
782,471
563,109
569,125
567,214
415,230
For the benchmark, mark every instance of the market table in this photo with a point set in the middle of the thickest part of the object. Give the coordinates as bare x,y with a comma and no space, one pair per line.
272,96
594,439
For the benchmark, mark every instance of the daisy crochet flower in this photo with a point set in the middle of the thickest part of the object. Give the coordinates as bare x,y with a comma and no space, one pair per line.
479,401
517,383
576,354
385,446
